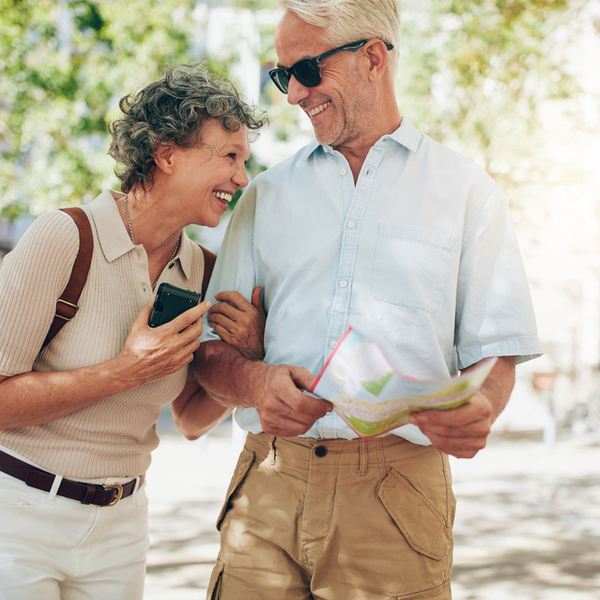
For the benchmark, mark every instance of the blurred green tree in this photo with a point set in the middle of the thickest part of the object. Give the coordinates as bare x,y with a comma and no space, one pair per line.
64,66
473,74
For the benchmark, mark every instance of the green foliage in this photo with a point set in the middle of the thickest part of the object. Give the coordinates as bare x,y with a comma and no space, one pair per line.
254,4
64,65
473,73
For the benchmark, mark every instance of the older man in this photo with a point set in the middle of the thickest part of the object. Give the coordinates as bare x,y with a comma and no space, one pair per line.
373,224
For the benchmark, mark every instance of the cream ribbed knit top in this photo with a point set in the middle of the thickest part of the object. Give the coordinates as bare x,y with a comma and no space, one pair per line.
113,437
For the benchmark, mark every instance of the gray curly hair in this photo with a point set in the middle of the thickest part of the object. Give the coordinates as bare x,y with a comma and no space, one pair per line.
172,111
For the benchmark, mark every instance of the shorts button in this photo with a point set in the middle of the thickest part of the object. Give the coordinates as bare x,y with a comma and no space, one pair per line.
320,451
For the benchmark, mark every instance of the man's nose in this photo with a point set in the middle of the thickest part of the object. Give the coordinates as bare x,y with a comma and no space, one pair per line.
296,91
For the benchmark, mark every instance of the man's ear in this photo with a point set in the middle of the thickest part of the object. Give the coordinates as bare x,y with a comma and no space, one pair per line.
377,54
163,157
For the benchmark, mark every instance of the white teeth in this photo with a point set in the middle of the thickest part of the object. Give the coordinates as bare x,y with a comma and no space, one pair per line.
321,108
223,196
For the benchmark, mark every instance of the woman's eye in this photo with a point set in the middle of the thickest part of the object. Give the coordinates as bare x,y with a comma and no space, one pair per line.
232,155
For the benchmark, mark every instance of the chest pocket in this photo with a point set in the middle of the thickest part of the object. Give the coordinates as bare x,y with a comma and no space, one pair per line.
411,266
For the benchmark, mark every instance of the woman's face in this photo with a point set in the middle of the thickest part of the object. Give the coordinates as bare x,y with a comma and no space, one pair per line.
204,178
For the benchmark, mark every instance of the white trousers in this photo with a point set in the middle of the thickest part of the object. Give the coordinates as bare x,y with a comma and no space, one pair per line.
54,548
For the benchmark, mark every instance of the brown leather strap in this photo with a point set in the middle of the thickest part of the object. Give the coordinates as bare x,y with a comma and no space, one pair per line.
209,263
66,306
86,493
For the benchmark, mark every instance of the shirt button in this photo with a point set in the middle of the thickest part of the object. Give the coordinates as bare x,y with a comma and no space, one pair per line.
351,225
321,451
343,284
343,171
144,288
333,344
171,265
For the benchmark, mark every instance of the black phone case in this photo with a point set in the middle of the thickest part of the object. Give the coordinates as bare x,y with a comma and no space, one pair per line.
170,302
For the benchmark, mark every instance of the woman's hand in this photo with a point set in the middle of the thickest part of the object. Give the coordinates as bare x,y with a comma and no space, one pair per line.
239,323
151,353
148,354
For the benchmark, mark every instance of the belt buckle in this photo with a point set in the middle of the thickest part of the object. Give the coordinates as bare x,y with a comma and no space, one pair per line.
114,486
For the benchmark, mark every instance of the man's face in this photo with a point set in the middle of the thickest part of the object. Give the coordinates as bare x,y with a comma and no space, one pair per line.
339,107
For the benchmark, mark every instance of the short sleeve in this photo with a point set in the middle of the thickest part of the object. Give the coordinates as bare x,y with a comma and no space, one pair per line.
32,278
234,269
494,309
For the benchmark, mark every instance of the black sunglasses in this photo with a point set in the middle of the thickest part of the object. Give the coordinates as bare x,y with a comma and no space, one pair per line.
307,71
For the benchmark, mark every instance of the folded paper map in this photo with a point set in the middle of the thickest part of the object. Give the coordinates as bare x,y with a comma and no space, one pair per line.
373,398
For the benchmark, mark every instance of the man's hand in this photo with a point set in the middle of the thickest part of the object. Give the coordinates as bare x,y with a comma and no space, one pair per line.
462,431
283,408
277,392
240,323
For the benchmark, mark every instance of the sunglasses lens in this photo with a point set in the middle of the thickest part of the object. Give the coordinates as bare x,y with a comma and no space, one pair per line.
281,79
307,73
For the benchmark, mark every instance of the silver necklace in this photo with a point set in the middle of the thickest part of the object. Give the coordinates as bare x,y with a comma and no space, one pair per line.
173,254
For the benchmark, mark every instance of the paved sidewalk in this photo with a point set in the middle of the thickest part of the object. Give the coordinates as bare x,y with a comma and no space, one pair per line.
527,525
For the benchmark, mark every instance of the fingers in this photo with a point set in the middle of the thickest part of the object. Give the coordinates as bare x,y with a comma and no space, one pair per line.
240,323
234,298
284,409
462,431
190,321
303,378
256,301
144,313
282,421
150,353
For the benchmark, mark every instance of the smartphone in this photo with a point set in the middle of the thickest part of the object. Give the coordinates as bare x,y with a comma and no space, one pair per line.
170,302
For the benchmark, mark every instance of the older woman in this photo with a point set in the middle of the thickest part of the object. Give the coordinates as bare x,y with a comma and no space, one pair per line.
77,418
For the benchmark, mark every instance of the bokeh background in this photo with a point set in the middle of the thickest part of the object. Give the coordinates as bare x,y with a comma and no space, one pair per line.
513,85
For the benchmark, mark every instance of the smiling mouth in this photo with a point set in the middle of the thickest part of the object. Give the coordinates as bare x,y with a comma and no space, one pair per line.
318,109
223,196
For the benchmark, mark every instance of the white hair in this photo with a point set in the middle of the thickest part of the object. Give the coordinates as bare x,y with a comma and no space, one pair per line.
346,21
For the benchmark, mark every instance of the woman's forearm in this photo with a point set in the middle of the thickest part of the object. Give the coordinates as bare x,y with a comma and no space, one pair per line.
34,398
195,412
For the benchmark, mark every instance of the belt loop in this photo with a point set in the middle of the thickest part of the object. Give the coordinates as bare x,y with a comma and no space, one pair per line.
363,457
273,451
51,497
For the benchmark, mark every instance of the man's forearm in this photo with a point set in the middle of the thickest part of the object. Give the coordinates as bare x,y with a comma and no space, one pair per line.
499,384
277,392
226,375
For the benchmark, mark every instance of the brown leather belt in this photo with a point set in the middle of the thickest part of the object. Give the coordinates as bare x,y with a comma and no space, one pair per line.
86,493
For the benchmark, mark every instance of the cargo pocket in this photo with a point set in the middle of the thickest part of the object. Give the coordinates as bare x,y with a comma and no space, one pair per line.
216,579
442,592
418,520
243,466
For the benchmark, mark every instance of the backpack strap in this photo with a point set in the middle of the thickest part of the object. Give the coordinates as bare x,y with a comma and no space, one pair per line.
209,263
66,305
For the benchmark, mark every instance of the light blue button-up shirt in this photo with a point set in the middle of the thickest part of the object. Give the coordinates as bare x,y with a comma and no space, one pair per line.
420,255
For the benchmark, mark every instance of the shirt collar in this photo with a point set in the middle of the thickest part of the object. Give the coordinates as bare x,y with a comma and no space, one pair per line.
406,135
185,254
112,234
114,238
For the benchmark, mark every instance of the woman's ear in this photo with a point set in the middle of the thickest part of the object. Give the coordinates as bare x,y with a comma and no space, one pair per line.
163,157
